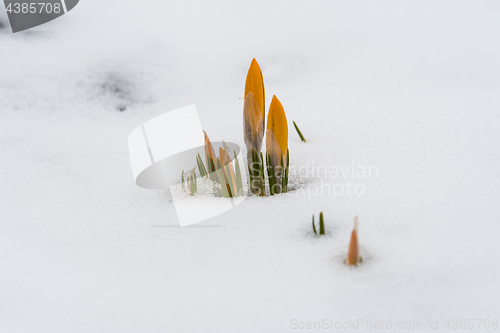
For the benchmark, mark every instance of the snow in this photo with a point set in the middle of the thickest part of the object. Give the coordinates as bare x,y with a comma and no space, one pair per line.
408,88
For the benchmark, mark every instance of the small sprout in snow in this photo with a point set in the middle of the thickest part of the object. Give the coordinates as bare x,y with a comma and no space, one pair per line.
239,181
321,224
227,171
201,166
220,169
191,182
353,257
298,131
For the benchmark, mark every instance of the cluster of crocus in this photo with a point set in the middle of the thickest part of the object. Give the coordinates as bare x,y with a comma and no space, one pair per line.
220,169
277,159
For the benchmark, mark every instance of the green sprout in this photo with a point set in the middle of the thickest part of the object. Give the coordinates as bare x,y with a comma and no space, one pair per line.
201,166
321,224
298,131
239,181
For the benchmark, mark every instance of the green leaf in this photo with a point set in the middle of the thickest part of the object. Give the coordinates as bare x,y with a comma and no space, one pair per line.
270,175
298,131
222,182
321,224
192,185
261,164
239,181
232,192
283,181
201,166
314,227
285,186
251,177
210,170
215,170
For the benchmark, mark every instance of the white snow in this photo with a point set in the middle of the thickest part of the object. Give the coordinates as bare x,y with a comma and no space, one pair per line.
408,88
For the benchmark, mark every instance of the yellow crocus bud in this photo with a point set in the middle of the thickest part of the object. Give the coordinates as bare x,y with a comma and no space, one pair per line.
255,84
254,124
277,140
253,128
276,120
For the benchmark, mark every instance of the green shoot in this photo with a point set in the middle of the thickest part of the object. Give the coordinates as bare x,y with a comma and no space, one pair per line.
321,224
239,181
232,192
201,166
314,227
222,182
298,131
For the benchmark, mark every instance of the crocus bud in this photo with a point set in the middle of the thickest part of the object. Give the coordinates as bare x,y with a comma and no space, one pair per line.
254,124
255,84
353,255
277,141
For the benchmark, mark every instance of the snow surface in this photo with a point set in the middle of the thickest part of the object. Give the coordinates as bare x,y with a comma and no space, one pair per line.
410,88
